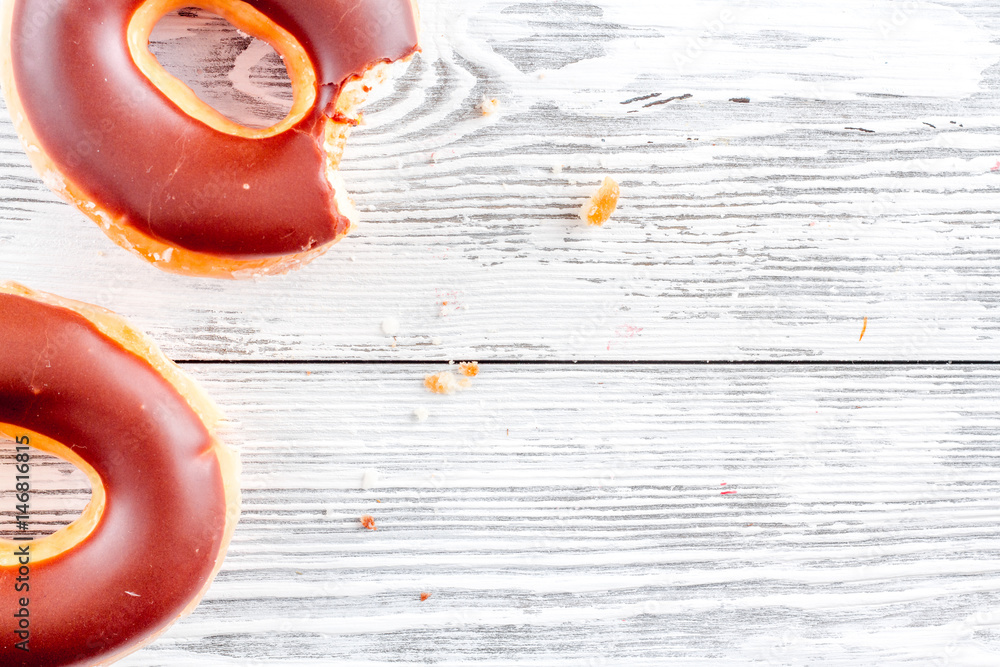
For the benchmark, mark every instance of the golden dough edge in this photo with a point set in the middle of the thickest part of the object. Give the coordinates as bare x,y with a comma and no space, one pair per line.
67,538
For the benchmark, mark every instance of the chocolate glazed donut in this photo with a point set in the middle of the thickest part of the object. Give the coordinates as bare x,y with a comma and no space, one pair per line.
78,382
164,174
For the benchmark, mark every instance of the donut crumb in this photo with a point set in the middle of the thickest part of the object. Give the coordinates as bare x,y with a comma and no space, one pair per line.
446,383
602,204
489,106
424,597
368,522
469,369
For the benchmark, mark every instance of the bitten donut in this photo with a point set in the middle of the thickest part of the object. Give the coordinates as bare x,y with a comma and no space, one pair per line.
163,173
78,382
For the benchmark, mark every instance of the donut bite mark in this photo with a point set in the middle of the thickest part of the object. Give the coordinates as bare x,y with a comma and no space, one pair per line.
164,174
80,383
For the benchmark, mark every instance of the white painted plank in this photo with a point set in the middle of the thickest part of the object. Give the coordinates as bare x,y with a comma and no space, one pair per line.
747,231
570,515
57,493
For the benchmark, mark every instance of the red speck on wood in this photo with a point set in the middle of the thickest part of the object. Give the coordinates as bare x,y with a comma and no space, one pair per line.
424,596
728,493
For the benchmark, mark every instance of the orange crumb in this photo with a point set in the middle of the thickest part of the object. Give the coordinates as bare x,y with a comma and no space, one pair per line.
368,522
489,106
602,204
469,369
424,596
863,330
446,383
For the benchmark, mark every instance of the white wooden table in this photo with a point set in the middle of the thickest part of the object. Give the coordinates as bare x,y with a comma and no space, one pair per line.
601,495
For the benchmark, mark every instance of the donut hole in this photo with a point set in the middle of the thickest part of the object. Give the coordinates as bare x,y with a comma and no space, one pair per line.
58,493
241,77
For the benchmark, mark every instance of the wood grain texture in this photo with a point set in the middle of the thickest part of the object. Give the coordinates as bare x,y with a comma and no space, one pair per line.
765,230
588,516
575,516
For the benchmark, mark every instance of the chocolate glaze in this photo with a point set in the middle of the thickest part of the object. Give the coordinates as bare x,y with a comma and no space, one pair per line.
165,518
136,154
